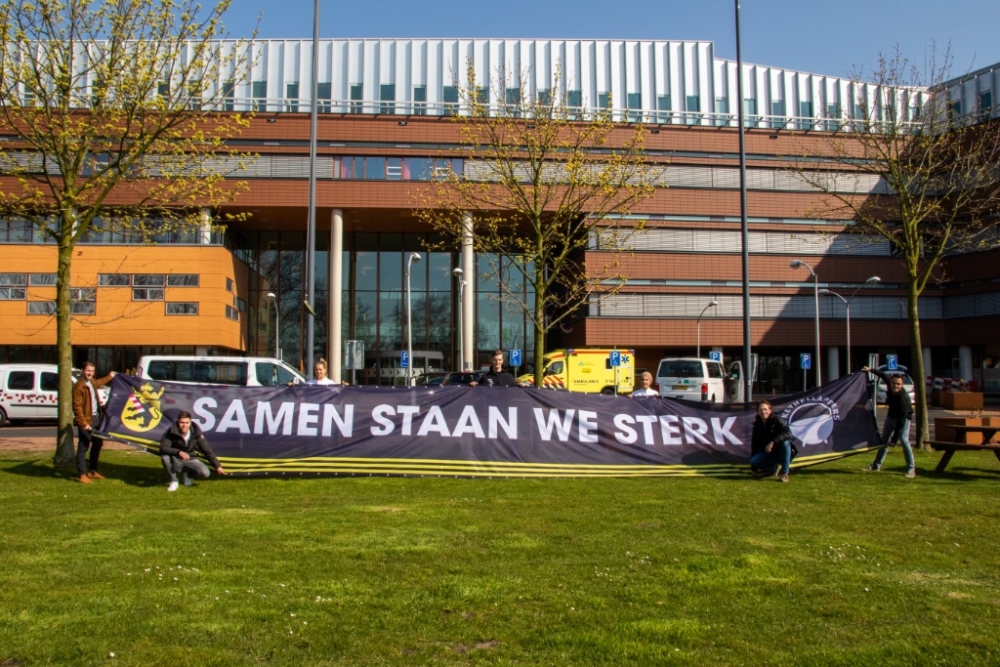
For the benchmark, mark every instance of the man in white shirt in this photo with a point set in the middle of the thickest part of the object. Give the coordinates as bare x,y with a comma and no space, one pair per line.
645,386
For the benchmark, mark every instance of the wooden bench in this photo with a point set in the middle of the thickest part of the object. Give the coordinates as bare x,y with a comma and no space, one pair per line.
949,449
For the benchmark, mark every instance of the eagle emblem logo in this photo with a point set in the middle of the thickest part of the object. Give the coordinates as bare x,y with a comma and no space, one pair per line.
142,410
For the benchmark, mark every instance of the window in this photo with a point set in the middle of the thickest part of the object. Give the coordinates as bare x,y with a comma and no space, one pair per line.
292,96
324,91
229,96
715,371
232,313
229,284
50,381
147,294
12,294
83,308
182,280
692,103
574,99
450,100
955,108
483,95
544,96
633,102
17,279
178,308
147,279
604,100
833,111
673,368
114,280
42,279
386,96
555,368
82,294
41,307
663,106
806,112
986,102
258,91
374,168
163,90
420,100
778,109
721,107
209,372
394,169
357,96
21,380
239,304
273,375
513,95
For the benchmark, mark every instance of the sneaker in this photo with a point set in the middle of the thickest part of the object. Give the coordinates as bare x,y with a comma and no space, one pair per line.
871,468
173,486
911,473
784,477
187,480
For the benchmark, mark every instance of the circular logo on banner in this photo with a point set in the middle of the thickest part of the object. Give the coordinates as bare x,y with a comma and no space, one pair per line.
142,409
811,419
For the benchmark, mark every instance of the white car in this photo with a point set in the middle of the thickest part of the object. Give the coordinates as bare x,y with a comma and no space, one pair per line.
237,371
691,379
31,392
882,390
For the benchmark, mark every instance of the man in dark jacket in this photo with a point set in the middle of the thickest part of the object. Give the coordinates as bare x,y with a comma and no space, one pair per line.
771,444
897,422
496,376
179,449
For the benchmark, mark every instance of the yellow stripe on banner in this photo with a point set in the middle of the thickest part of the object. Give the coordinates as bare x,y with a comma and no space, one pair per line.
471,473
514,464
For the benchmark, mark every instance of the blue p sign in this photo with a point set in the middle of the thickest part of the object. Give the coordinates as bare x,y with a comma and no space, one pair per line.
404,359
616,358
805,361
715,355
515,358
892,362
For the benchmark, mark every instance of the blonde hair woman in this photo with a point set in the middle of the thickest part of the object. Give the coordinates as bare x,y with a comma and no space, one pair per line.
321,377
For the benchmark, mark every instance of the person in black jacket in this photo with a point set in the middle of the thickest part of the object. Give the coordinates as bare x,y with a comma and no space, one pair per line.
496,376
897,422
771,444
179,449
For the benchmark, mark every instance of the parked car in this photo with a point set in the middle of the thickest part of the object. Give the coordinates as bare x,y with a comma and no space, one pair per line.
31,392
461,379
693,379
237,371
882,390
431,379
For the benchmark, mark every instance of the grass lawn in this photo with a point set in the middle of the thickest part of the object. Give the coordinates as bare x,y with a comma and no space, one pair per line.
837,567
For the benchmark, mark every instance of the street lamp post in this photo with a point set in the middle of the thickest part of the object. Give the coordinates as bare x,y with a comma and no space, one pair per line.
796,264
874,280
711,304
744,229
461,330
311,218
414,257
277,328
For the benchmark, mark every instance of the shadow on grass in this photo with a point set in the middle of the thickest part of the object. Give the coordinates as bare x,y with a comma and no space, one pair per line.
133,475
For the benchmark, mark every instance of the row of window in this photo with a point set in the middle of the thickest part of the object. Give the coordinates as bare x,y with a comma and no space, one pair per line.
148,280
90,308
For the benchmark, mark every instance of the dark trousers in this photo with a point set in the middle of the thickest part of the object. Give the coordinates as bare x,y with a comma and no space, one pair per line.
87,440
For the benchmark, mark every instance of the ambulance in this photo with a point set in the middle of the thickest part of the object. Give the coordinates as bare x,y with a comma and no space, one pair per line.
587,371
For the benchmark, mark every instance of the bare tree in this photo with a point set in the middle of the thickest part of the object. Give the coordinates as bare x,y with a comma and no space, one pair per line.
937,179
544,181
112,104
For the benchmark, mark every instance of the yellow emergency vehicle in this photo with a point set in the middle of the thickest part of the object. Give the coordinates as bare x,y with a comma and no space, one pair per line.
588,371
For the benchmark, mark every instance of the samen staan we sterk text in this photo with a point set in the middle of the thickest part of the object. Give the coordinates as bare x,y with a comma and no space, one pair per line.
320,420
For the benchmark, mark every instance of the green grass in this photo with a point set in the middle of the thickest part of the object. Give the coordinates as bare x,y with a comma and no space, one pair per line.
838,567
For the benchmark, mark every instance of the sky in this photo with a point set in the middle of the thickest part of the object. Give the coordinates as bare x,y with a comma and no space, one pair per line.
832,37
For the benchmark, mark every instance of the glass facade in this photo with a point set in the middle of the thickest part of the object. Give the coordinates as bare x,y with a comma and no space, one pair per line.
374,301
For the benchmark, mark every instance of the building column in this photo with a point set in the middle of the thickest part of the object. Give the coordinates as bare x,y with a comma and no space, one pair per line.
965,362
335,345
468,300
928,369
832,363
204,226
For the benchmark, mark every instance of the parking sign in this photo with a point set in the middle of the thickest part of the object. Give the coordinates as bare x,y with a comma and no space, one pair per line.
616,358
805,361
404,359
515,358
715,355
892,362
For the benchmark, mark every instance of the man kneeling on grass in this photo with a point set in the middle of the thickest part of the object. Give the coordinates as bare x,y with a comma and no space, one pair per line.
179,449
771,445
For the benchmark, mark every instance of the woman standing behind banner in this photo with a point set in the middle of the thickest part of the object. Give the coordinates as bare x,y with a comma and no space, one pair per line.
771,444
321,377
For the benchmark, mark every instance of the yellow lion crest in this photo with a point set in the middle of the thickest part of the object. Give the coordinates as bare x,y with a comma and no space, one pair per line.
142,410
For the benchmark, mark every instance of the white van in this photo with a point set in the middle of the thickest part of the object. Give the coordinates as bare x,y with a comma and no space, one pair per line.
694,379
237,371
31,391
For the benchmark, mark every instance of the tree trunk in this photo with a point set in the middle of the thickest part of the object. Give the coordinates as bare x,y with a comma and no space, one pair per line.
539,339
65,455
917,370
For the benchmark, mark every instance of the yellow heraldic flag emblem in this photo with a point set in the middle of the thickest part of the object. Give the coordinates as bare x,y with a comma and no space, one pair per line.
142,409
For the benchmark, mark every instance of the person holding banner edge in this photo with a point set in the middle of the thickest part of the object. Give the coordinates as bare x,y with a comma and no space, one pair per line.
771,444
897,422
179,449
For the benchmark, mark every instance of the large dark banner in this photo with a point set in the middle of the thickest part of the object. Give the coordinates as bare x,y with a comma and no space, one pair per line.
480,432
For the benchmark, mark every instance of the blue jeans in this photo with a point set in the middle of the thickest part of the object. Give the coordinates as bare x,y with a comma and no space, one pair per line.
900,428
768,462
